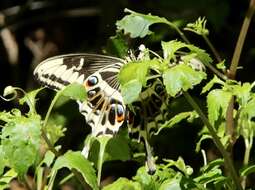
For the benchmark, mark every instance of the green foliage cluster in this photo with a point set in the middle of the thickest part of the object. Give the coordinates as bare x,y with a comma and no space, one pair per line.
24,136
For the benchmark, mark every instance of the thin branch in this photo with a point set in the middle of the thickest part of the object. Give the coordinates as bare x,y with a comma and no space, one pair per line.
215,52
240,41
232,73
50,145
225,154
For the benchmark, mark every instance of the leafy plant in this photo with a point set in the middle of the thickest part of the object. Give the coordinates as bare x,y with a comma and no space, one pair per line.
28,142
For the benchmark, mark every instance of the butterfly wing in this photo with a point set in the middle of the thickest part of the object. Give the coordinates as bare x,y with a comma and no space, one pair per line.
59,71
104,109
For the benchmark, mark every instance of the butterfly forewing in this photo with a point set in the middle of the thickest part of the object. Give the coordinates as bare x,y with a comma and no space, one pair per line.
59,71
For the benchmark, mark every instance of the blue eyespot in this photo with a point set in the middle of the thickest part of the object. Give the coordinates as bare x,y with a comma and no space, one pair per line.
93,80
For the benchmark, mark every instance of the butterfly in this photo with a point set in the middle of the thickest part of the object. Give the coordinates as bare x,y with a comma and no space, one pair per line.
104,109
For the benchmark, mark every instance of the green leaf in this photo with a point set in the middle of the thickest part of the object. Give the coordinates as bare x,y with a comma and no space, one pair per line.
171,184
123,184
210,84
249,109
242,92
74,160
7,178
134,71
147,181
117,149
180,164
247,170
202,138
20,141
181,77
130,91
48,158
213,165
177,119
54,127
171,47
9,116
75,91
2,160
137,24
217,103
221,66
198,27
29,98
209,177
117,45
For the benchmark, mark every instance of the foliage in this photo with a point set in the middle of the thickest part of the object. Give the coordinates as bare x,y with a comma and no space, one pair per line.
29,142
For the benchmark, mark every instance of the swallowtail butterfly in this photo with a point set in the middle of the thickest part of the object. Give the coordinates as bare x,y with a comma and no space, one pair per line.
104,109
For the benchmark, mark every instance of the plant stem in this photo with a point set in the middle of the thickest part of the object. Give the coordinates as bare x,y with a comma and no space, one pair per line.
225,154
103,142
185,39
248,146
216,54
47,140
232,73
182,35
215,71
240,41
26,183
43,130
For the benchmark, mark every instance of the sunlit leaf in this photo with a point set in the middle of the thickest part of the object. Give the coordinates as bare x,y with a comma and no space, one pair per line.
137,24
178,118
7,178
180,164
247,170
217,103
2,160
134,71
181,77
198,27
171,47
123,184
30,99
131,90
48,158
20,141
221,66
74,160
242,92
75,91
171,184
202,138
210,84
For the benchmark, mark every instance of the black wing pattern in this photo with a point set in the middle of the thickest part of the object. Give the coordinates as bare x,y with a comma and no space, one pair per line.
59,71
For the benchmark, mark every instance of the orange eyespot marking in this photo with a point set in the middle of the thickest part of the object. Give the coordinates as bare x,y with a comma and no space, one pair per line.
120,113
120,118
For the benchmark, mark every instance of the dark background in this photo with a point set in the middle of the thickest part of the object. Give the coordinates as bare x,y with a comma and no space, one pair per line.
85,26
70,26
